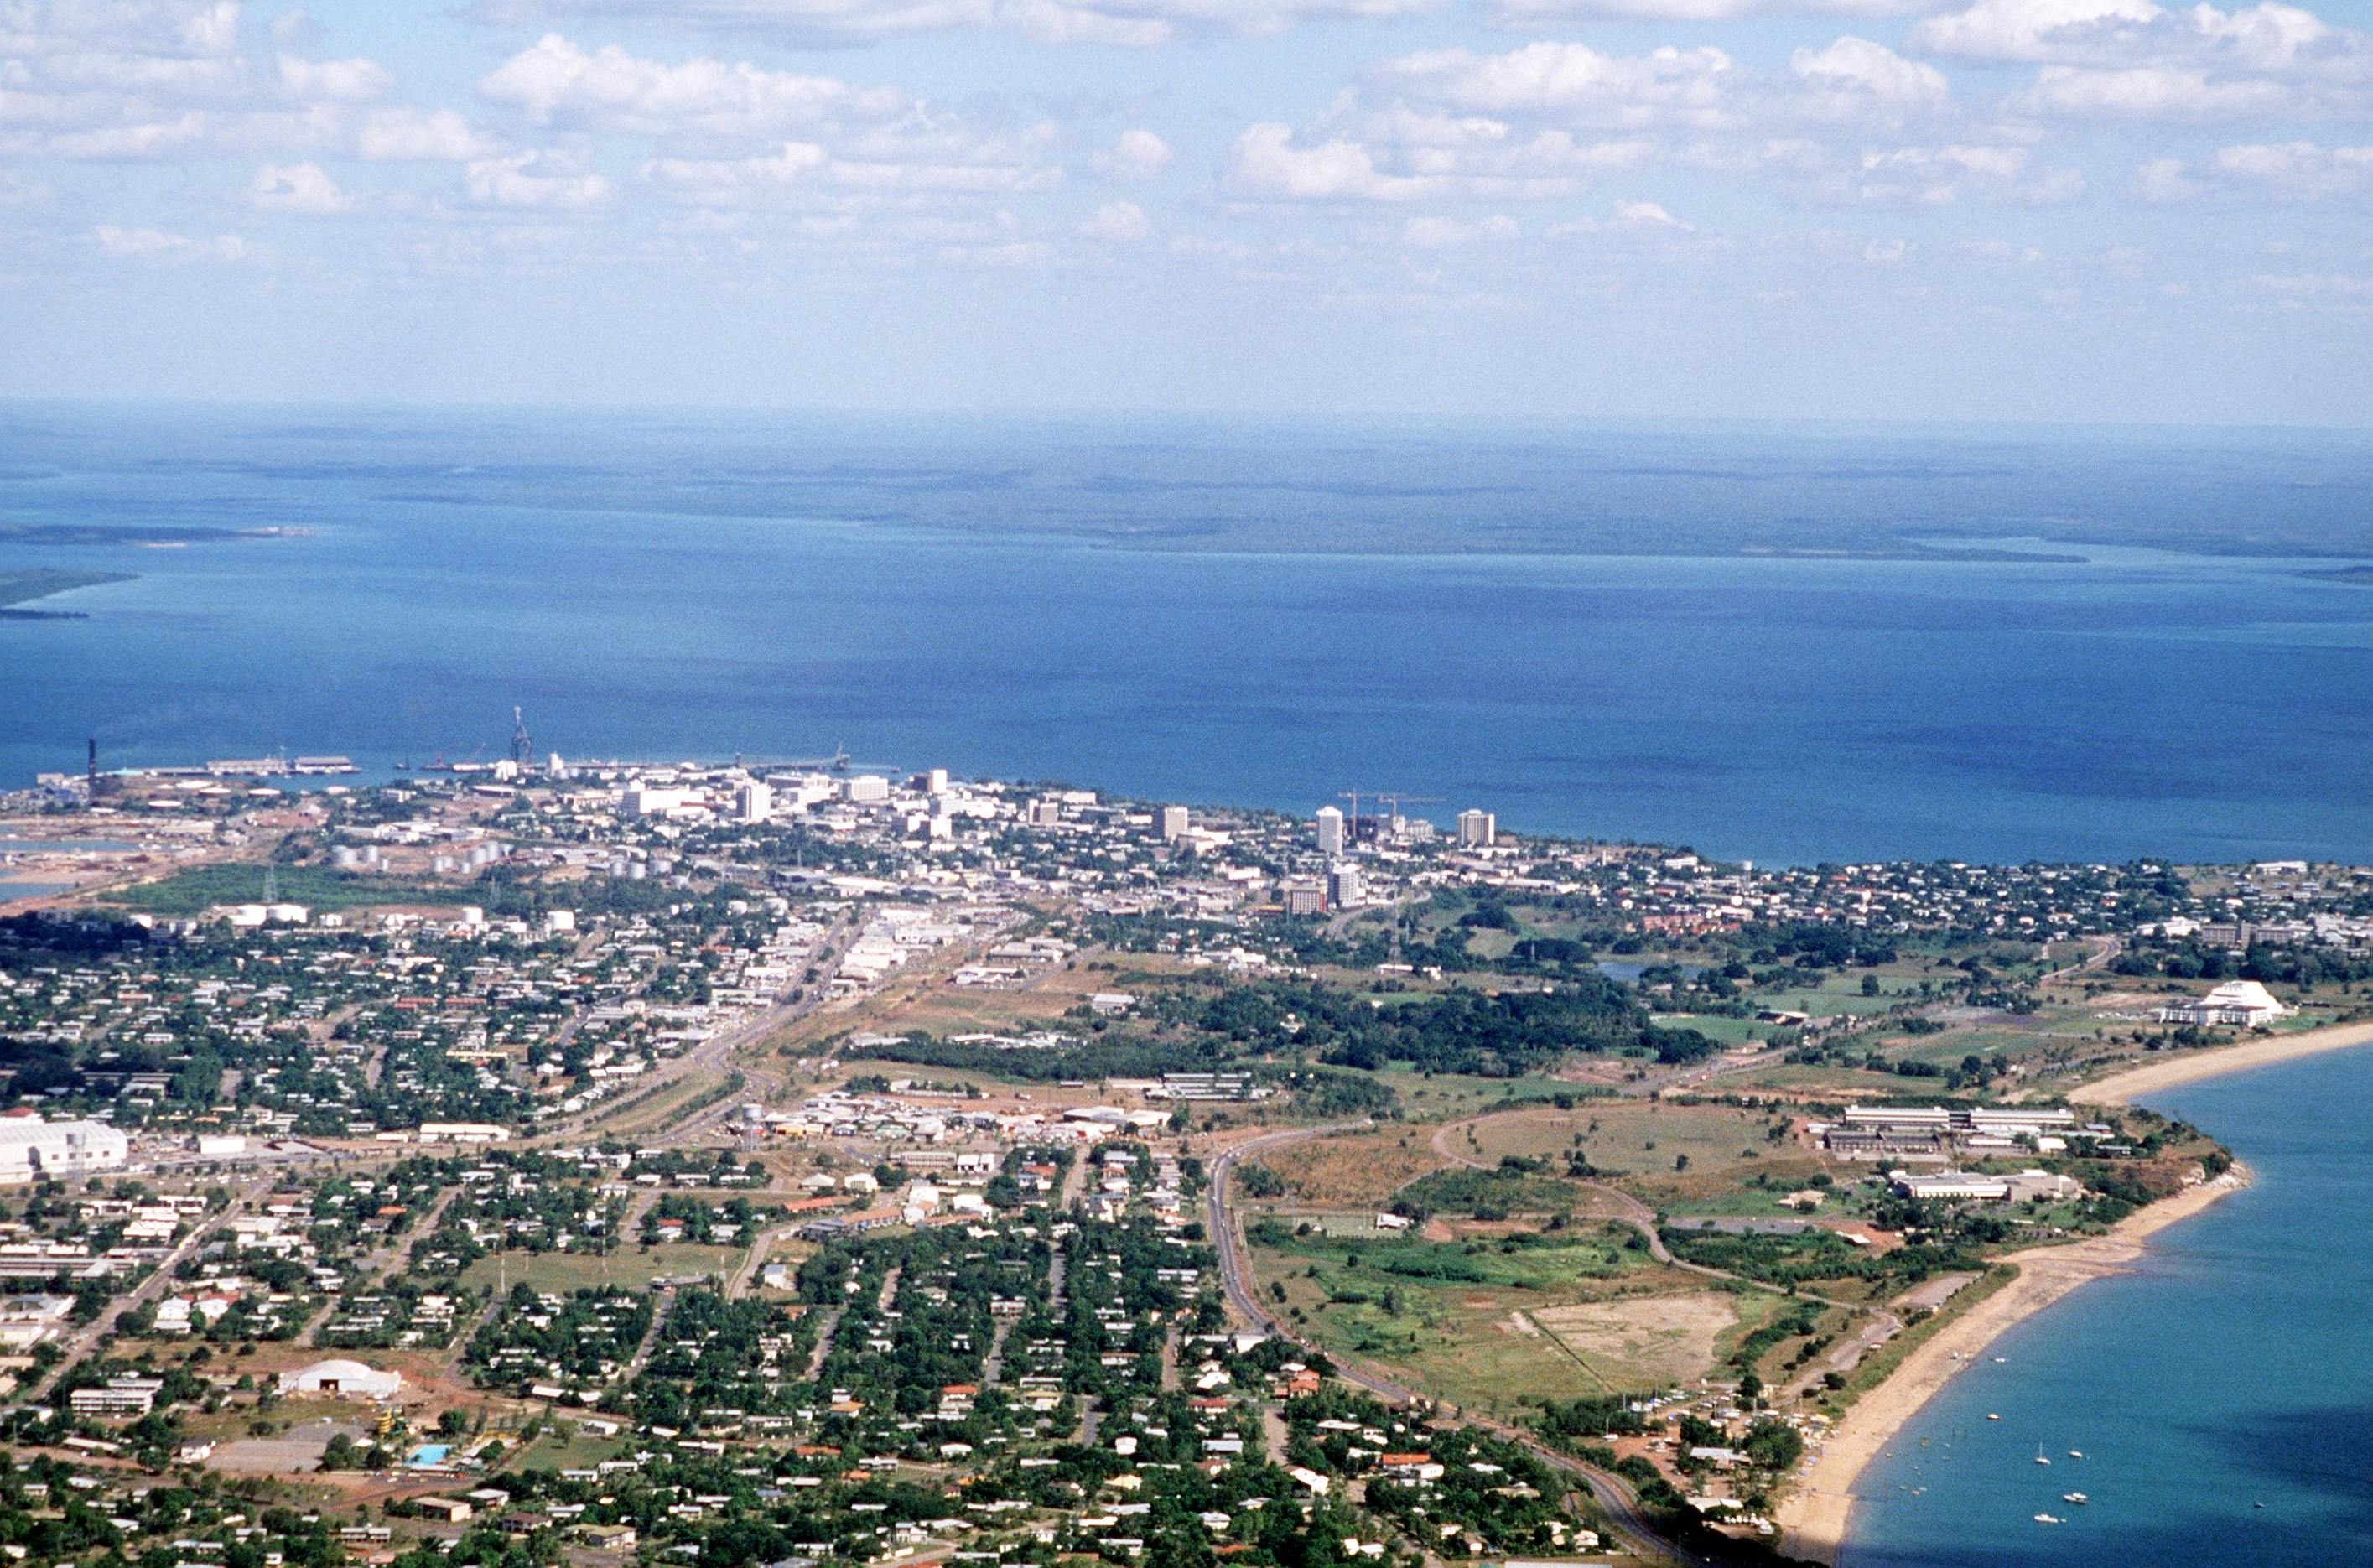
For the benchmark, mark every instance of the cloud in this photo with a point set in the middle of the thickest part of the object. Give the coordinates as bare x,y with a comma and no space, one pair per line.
1854,78
1574,82
2152,91
1933,176
519,182
1699,10
297,187
901,163
552,80
413,135
1119,223
2290,170
347,81
1112,23
1138,154
156,243
1450,233
1266,165
2266,39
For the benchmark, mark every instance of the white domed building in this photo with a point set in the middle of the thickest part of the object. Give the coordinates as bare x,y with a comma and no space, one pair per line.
340,1376
2243,1002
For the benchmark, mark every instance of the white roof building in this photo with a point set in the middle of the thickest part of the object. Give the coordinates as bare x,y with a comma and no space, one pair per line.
30,1148
341,1376
2243,1002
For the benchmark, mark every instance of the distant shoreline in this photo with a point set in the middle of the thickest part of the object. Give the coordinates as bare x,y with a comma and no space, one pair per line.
1816,1518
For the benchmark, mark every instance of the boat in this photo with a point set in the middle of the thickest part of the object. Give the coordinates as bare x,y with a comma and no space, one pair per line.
2076,1497
1991,1416
2047,1519
2075,1452
2040,1457
1999,1359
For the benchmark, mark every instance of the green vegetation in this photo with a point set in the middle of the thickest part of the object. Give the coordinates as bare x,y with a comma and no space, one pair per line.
192,891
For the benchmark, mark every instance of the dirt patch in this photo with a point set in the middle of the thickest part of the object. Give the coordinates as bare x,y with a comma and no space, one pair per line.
1354,1168
1645,1341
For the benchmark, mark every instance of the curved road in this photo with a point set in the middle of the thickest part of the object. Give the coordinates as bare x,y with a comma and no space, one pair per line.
1613,1493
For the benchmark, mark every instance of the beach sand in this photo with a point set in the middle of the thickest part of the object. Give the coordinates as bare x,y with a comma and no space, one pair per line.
1813,1519
2190,1066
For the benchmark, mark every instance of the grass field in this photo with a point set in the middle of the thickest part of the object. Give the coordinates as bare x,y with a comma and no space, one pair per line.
200,888
582,1271
1464,1320
1642,1143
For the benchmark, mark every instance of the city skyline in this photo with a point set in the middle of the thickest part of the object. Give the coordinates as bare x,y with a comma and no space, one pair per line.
2007,209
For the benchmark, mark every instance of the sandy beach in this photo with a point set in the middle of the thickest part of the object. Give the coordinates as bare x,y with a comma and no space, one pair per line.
2191,1066
1814,1518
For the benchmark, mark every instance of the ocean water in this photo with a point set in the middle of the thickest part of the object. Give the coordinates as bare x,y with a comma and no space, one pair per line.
2232,1367
1216,614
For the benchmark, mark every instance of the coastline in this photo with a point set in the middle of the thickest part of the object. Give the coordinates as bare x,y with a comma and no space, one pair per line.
1815,1520
1815,1517
2189,1067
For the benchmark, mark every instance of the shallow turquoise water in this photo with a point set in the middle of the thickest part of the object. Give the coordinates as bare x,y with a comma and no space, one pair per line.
2232,1367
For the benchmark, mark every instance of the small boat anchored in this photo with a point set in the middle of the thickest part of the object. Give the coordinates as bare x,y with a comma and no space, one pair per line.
2076,1497
2048,1519
2039,1457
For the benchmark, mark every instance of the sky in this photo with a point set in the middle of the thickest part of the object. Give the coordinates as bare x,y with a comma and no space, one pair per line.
2100,211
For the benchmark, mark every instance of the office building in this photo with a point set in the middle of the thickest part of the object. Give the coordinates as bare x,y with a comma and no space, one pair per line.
753,801
1330,831
1173,821
1343,886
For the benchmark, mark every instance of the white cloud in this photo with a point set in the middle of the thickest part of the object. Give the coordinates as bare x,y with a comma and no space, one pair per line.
1934,176
1574,82
347,81
552,80
1450,233
1854,78
2152,91
1266,165
1700,10
297,187
1138,154
520,182
2268,38
156,243
2294,171
412,135
1119,223
1112,23
940,160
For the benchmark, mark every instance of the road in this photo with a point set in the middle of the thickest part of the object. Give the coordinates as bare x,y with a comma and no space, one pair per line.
1613,1493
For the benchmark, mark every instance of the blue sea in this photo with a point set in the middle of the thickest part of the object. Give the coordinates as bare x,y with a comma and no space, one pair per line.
1214,612
2233,1367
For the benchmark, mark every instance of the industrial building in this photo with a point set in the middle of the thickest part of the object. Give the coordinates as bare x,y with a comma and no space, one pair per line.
32,1149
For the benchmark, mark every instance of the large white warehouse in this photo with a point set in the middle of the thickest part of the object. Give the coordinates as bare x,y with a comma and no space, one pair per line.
31,1148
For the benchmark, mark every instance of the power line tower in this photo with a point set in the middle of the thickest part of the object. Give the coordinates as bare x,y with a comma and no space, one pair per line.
521,747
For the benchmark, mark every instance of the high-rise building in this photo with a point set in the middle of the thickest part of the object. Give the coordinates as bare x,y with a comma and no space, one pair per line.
1173,821
1330,831
753,801
1044,813
1304,898
1343,886
1477,829
935,782
866,789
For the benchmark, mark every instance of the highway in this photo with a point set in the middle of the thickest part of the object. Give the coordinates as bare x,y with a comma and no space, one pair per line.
1613,1493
